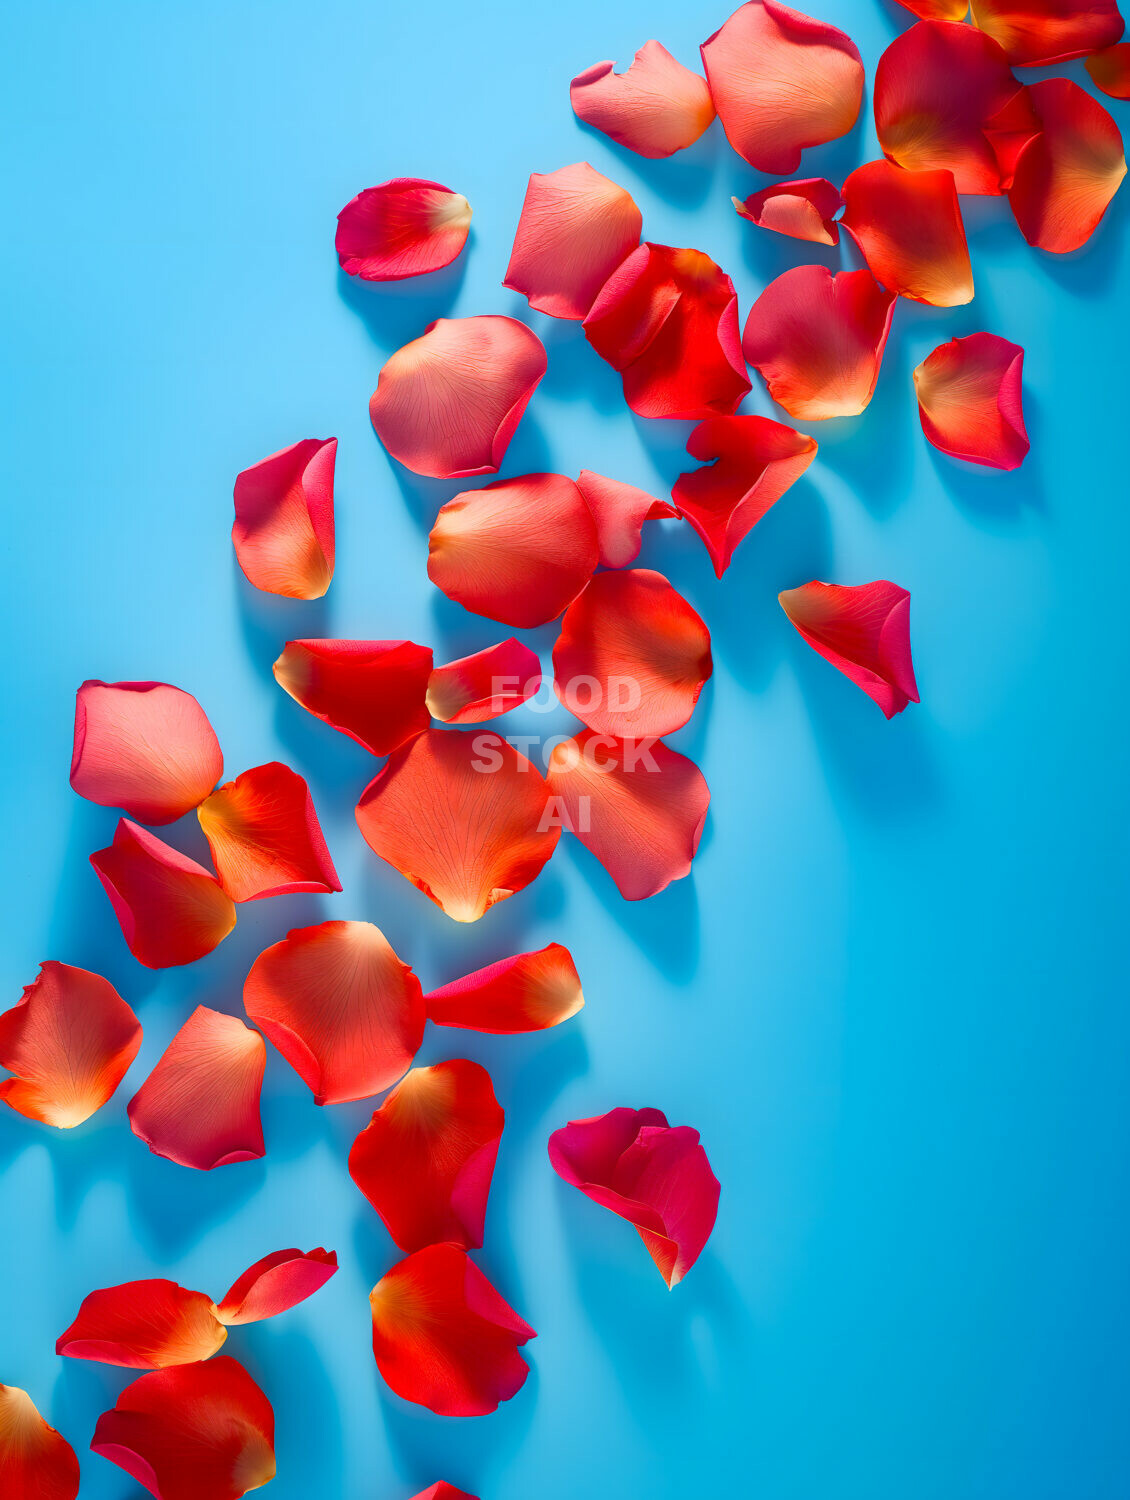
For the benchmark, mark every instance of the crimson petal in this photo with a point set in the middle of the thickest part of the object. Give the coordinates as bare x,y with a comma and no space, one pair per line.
528,992
36,1462
864,631
909,227
373,691
619,511
275,1284
406,227
144,1325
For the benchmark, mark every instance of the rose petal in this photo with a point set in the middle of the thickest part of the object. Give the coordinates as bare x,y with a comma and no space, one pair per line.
781,82
1110,70
36,1463
340,1006
652,1174
937,10
655,107
969,399
373,691
818,340
265,837
482,686
518,550
575,229
143,1325
200,1104
275,1284
619,511
667,319
909,227
443,1491
637,805
444,1338
462,817
528,992
196,1432
447,404
804,210
172,911
864,631
145,747
1036,32
405,227
426,1158
284,520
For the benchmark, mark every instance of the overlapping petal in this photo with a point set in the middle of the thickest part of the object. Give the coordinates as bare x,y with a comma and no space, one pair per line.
200,1104
426,1158
804,210
528,992
864,631
373,691
36,1462
655,107
937,10
1110,70
145,747
265,836
284,520
444,1338
275,1284
405,227
447,404
517,550
619,511
341,1007
1067,174
144,1325
970,400
655,1175
909,227
575,228
781,82
484,685
1036,32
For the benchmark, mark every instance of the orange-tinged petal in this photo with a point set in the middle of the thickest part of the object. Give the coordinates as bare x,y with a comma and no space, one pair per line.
1036,32
528,992
484,685
265,836
275,1284
145,747
1110,70
864,631
340,1006
36,1463
655,107
804,210
619,511
969,400
68,1042
937,10
373,691
405,227
284,520
909,227
144,1325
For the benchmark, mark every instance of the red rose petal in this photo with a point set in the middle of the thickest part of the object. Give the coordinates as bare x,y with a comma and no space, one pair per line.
265,837
172,911
864,631
426,1158
909,227
969,399
443,1491
1036,32
200,1104
275,1284
804,210
937,10
284,520
528,992
655,107
196,1432
619,511
340,1006
144,1325
461,815
373,691
68,1042
444,1338
575,229
781,82
405,227
1110,70
145,747
667,319
484,685
36,1463
652,1174
636,805
447,404
518,550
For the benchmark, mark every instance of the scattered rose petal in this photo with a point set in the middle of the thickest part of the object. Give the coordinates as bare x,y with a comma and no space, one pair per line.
373,691
864,631
909,227
655,107
265,837
937,10
443,1491
482,686
36,1463
528,992
284,520
405,227
969,399
1037,32
1110,70
619,511
804,210
275,1284
144,1325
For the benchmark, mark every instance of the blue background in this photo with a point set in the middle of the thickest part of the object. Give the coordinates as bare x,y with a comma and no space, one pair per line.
892,994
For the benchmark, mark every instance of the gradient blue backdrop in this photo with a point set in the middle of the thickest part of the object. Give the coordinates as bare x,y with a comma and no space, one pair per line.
892,996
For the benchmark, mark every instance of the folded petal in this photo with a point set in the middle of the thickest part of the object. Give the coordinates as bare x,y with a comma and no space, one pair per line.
265,836
864,631
484,685
284,520
68,1042
145,747
667,319
909,227
804,210
1036,32
405,227
818,340
636,805
518,550
275,1284
171,910
1110,70
444,1338
969,399
462,816
937,10
447,404
575,229
652,1174
196,1432
655,107
781,82
754,461
1067,174
36,1463
340,1006
619,511
528,992
426,1158
144,1325
200,1104
373,691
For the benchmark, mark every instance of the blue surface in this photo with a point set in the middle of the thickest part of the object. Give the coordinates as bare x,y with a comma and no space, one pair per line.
892,996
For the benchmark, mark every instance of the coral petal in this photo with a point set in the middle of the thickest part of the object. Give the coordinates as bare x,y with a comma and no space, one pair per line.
909,227
405,227
275,1284
284,520
1110,70
864,631
969,399
804,210
619,511
36,1463
528,992
655,107
1036,32
482,686
373,691
265,837
144,1325
443,1491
